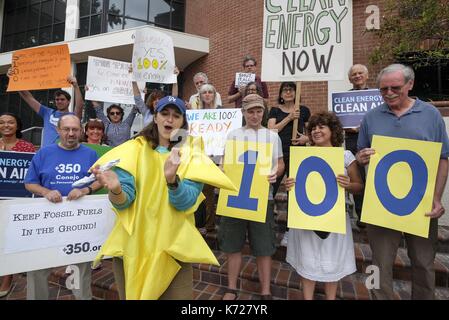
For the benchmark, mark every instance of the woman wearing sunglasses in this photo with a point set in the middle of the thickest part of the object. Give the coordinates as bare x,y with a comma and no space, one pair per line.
117,130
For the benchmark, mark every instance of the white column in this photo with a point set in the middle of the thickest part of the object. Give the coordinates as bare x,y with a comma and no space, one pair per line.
72,20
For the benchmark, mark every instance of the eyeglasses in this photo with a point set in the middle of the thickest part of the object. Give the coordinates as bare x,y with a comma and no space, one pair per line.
115,113
250,65
67,130
395,89
288,89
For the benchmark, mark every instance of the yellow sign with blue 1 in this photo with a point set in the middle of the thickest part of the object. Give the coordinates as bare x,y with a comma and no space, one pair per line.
317,202
400,184
248,165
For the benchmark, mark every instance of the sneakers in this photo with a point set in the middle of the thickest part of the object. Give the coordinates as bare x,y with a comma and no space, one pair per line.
284,240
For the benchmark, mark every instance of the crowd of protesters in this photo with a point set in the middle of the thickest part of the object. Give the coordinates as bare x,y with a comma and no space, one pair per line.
316,256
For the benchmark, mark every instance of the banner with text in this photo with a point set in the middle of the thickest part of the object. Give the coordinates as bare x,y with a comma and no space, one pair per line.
305,40
13,168
351,106
153,57
36,234
110,81
40,68
213,125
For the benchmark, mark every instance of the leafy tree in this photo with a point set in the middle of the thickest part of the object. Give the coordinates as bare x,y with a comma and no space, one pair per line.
415,32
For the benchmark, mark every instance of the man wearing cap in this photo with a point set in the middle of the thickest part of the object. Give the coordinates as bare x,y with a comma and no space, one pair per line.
262,236
155,190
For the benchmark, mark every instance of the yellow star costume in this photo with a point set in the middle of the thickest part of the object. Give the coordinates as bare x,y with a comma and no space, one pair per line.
151,234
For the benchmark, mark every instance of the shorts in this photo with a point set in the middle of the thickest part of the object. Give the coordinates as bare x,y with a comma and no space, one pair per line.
261,236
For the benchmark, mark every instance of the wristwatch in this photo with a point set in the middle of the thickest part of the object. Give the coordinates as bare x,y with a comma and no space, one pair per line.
174,185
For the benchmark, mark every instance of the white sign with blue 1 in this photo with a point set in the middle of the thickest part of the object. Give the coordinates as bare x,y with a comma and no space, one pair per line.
351,106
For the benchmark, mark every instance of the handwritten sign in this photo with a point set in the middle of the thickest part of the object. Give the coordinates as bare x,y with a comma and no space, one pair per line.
317,202
36,234
242,79
351,106
305,40
400,184
213,125
153,57
40,68
13,169
110,81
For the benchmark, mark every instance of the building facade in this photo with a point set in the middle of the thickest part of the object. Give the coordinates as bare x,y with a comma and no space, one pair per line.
209,35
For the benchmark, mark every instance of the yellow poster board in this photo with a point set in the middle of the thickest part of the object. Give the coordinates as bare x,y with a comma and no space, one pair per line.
40,68
248,165
400,184
317,202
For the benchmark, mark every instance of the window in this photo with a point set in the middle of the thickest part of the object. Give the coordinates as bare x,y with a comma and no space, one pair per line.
101,16
29,23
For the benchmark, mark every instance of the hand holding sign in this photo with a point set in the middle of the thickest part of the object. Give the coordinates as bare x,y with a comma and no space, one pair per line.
364,155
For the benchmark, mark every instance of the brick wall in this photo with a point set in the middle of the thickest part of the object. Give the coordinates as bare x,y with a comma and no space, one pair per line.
235,28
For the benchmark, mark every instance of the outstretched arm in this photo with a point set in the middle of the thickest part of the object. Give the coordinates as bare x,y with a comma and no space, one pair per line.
79,101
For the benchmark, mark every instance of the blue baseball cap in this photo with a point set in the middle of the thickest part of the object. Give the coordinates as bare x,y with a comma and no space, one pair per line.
171,101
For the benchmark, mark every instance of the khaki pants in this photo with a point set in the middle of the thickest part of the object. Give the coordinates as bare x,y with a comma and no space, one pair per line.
181,288
421,251
37,283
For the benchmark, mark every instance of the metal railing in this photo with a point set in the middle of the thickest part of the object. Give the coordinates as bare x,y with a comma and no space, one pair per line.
33,135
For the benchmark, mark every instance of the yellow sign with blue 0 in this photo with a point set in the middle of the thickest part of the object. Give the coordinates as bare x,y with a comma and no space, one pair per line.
317,202
248,165
400,184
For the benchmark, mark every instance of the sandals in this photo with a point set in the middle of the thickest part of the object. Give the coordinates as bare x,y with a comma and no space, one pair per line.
231,291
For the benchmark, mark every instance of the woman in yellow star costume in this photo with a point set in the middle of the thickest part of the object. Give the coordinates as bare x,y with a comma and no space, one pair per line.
155,189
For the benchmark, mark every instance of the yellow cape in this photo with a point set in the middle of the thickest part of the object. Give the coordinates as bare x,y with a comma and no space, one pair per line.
151,234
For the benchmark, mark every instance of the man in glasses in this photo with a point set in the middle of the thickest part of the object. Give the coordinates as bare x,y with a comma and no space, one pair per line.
236,94
404,117
199,79
52,171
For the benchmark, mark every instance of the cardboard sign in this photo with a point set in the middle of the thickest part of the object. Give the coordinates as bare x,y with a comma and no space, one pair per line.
153,57
351,106
242,79
13,169
305,40
247,164
40,68
110,81
36,234
317,202
400,184
213,125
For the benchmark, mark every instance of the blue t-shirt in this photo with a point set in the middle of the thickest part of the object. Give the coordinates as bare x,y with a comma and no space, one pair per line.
421,122
50,117
56,168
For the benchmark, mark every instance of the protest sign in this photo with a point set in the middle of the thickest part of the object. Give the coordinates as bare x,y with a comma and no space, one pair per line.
242,78
317,202
37,234
351,106
153,57
247,164
213,125
40,68
305,40
13,169
110,81
400,184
